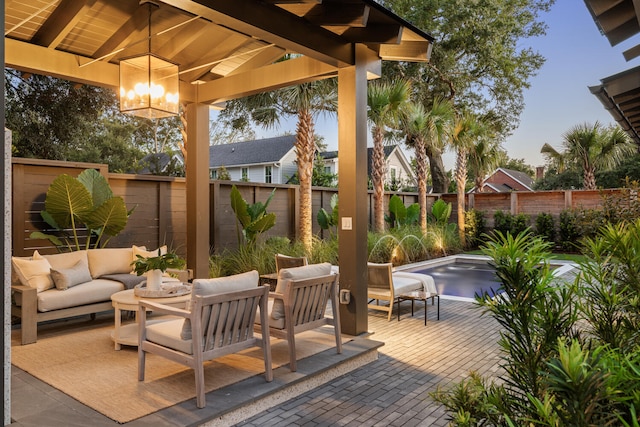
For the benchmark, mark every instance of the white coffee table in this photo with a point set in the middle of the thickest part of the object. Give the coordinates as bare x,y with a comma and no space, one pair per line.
127,300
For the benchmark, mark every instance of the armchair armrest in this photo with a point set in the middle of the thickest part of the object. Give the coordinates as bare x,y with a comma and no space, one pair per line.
163,309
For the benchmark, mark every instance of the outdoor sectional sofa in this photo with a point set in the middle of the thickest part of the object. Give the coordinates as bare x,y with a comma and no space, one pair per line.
59,286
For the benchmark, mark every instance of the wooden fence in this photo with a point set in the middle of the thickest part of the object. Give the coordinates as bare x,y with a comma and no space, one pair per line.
159,203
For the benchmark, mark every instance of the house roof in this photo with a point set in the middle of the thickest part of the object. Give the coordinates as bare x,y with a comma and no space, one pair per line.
521,177
260,151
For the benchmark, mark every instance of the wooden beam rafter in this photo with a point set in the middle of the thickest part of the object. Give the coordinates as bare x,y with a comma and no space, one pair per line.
61,22
333,14
138,21
271,77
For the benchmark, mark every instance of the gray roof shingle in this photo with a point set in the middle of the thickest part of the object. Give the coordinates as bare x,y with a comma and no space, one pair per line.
268,150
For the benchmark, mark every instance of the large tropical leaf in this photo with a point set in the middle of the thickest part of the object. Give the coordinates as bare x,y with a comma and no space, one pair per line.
110,217
97,186
67,198
239,206
262,224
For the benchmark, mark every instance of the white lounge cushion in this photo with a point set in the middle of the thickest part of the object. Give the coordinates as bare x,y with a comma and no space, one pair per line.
109,261
97,290
273,323
426,281
168,334
66,278
220,285
34,273
296,273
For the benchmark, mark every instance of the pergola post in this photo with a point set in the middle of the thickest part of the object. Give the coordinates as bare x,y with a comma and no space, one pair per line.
198,204
352,188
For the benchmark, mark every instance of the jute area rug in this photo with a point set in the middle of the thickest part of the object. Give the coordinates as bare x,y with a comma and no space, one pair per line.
78,358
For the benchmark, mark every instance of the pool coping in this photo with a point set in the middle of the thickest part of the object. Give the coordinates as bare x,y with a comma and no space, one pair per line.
564,267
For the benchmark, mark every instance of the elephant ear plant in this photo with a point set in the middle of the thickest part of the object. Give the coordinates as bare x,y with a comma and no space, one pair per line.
82,211
326,220
253,218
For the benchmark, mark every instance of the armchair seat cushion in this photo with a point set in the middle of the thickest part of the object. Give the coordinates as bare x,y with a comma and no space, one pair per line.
273,323
167,334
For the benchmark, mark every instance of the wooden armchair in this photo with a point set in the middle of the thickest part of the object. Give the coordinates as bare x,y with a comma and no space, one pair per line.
386,285
300,303
286,261
219,322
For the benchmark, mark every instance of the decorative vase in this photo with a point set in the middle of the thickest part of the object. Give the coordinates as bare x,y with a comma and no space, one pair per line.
154,280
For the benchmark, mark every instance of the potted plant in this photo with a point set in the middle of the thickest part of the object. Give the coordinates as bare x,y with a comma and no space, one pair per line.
155,266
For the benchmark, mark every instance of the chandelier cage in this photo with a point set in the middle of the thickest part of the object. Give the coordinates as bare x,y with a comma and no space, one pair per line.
149,85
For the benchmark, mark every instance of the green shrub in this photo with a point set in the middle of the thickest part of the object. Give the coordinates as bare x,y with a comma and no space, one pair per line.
568,231
545,227
474,227
502,222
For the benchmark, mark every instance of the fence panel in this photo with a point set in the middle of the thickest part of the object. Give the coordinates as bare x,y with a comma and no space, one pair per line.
159,203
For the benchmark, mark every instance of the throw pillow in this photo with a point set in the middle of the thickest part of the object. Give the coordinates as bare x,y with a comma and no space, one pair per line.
219,285
33,272
296,273
109,261
69,277
143,252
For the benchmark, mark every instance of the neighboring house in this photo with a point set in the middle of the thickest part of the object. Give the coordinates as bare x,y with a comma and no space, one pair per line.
269,160
398,166
506,180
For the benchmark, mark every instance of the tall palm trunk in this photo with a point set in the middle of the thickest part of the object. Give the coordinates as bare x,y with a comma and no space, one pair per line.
305,148
461,179
421,177
589,178
479,184
378,172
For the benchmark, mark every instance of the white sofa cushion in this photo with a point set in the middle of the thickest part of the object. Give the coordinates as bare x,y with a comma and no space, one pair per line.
219,285
33,272
64,260
109,261
66,278
296,273
97,290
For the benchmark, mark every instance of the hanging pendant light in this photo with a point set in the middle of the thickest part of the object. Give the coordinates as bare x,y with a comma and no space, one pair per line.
149,85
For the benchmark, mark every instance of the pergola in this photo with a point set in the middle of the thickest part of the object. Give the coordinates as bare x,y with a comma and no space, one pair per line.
225,50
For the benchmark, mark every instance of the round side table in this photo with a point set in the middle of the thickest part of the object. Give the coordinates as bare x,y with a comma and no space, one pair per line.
127,300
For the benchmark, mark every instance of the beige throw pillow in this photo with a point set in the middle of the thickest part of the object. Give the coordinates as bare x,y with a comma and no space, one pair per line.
219,285
109,261
69,277
143,252
296,273
33,272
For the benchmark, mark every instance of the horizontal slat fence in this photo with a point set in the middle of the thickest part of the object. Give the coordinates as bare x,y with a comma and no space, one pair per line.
159,206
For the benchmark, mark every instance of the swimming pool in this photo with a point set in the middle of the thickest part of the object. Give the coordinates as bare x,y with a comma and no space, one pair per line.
460,277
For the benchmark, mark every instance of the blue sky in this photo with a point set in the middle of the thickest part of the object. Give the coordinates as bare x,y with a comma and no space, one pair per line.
578,56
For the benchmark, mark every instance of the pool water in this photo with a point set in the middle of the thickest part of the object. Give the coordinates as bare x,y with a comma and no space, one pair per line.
463,279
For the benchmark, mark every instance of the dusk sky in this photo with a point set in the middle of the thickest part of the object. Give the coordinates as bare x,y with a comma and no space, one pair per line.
578,56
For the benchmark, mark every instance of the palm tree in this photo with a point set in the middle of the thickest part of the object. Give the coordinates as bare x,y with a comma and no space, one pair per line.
304,101
595,147
466,128
426,130
484,155
554,156
385,101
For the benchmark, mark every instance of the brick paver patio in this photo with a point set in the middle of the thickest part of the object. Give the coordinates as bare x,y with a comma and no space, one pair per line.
415,360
